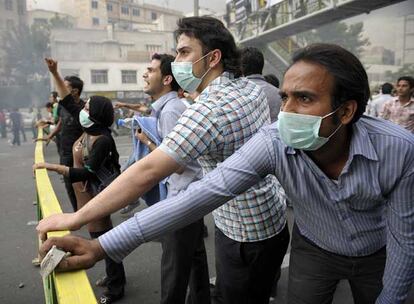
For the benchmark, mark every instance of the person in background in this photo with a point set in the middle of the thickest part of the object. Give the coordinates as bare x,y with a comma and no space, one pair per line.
401,109
376,106
252,62
272,79
3,124
16,122
33,123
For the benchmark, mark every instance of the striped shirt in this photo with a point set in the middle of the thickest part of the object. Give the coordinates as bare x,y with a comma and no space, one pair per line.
370,206
226,115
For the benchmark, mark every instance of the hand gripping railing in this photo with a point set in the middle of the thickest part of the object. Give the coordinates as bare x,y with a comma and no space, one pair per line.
59,287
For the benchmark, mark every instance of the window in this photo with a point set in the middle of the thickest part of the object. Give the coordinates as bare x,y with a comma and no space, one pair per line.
153,15
135,12
125,10
95,21
8,4
129,76
109,7
153,48
94,4
20,9
99,76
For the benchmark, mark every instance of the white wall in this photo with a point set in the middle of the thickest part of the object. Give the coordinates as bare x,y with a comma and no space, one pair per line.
114,75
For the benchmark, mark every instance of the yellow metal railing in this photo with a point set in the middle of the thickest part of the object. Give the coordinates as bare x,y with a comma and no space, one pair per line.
68,287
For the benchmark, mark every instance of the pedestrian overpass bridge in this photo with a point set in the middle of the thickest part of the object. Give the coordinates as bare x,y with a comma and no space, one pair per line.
270,28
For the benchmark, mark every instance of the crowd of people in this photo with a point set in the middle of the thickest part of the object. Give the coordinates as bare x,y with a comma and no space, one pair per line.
220,137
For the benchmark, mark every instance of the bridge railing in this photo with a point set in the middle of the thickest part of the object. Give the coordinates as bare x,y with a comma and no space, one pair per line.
59,287
277,15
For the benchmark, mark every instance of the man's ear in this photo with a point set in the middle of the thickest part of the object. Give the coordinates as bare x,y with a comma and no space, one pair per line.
167,80
347,111
214,58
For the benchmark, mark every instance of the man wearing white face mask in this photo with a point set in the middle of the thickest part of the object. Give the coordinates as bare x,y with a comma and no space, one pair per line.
251,236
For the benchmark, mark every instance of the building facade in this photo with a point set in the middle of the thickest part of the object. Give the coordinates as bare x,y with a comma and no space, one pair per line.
122,14
110,62
13,13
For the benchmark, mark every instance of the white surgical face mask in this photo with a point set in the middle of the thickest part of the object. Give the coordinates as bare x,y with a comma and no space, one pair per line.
84,119
183,74
301,131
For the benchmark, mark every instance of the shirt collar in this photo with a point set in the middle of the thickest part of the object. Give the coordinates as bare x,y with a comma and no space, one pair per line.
407,104
220,80
160,102
360,143
256,76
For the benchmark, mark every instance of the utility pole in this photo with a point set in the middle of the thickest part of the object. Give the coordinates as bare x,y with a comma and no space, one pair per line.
195,8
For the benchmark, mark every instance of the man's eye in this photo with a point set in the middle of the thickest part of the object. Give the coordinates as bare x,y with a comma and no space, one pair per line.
304,98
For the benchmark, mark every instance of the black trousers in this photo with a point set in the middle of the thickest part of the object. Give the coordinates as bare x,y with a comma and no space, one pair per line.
184,263
246,271
16,137
66,159
314,273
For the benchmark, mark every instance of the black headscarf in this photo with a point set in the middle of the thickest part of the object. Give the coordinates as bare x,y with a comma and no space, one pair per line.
101,112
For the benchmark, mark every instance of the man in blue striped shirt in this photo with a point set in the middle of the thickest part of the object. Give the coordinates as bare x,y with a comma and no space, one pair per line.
350,179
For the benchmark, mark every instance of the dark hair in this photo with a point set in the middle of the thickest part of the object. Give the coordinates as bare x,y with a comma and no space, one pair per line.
272,79
252,61
386,88
350,77
409,79
212,34
165,67
75,83
54,94
49,105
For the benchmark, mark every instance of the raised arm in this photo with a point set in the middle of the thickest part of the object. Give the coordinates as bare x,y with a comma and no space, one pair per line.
52,65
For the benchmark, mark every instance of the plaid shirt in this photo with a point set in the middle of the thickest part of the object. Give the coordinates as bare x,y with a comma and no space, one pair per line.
402,115
226,115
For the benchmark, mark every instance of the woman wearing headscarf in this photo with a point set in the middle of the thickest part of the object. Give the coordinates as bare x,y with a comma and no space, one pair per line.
96,164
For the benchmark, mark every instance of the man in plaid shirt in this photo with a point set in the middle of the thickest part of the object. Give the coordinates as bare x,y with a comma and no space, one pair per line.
251,235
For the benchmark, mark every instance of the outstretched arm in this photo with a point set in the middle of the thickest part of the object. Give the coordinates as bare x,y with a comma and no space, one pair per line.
129,186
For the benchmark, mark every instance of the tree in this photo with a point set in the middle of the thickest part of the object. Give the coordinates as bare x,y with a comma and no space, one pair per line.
348,36
24,48
406,70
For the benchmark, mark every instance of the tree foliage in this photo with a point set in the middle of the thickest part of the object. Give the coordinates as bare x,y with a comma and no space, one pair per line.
406,70
24,49
348,36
